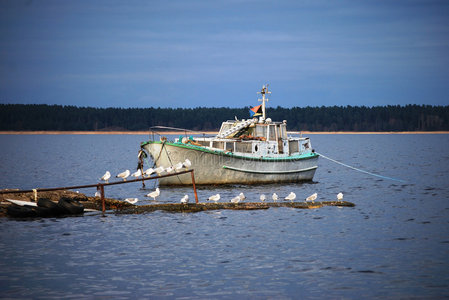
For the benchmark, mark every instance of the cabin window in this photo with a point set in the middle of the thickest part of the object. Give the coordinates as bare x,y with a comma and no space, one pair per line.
219,145
230,146
261,131
244,147
293,147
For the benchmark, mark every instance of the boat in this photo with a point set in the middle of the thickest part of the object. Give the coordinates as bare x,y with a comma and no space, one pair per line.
252,151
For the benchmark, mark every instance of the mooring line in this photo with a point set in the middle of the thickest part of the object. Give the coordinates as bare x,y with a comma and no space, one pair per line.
363,171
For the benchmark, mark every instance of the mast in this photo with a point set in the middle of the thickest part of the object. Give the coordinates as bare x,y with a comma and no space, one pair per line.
264,91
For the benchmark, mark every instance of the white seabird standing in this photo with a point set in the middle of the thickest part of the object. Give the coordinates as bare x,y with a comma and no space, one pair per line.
214,198
136,174
340,196
106,176
159,170
178,166
187,163
291,197
236,199
132,200
124,175
242,196
154,194
312,198
148,172
185,199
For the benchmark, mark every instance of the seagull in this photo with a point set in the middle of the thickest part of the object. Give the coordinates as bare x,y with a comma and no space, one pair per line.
242,196
169,170
106,176
148,172
275,197
137,173
340,196
178,166
154,194
291,197
97,194
124,175
236,199
131,200
159,170
185,199
263,197
187,163
312,198
214,198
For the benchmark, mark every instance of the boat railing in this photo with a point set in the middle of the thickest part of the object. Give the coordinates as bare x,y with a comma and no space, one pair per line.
162,131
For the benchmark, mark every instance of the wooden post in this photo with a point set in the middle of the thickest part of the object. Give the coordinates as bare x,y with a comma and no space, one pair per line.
102,197
140,166
194,188
143,178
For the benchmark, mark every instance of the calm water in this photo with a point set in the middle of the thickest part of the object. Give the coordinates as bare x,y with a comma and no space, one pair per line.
393,244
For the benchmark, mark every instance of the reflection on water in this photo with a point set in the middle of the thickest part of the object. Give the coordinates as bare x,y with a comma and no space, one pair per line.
393,244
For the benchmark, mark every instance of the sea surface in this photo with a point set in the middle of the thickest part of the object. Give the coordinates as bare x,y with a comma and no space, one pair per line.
393,244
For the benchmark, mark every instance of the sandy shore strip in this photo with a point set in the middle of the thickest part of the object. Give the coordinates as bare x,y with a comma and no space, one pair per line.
214,132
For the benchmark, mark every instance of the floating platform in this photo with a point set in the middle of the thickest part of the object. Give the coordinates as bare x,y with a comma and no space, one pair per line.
193,207
123,207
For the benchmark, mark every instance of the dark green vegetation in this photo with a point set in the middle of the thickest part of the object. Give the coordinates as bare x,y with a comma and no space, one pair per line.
336,118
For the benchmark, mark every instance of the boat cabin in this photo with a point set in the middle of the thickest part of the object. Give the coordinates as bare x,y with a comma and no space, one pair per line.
256,137
253,138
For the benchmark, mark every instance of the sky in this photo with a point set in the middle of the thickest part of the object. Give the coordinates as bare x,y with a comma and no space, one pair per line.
191,53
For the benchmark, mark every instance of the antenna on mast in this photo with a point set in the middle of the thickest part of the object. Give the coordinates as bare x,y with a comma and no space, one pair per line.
264,92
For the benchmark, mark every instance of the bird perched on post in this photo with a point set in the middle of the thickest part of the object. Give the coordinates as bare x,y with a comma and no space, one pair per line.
185,199
340,197
159,170
106,176
136,174
291,197
187,163
178,166
275,197
263,197
123,175
148,172
154,194
214,198
312,198
169,169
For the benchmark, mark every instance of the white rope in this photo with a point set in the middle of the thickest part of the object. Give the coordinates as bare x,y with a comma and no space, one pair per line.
363,171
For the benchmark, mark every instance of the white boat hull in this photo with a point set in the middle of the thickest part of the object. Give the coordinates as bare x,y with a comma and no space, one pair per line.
218,167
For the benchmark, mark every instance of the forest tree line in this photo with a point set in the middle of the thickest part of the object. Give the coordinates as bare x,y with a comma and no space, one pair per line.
35,117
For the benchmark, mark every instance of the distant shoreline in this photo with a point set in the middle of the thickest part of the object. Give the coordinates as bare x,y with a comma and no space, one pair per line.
50,132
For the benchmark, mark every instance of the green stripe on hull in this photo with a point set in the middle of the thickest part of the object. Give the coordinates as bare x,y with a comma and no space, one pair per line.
202,149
